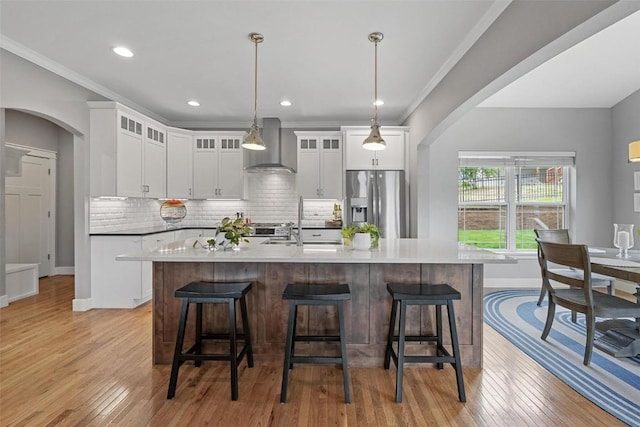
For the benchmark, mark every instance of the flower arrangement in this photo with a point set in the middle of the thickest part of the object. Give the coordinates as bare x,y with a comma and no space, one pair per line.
233,231
349,232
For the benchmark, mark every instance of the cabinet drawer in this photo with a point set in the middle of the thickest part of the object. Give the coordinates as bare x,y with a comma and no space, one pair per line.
321,235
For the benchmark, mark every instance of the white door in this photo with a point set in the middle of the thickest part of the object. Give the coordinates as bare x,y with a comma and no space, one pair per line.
27,203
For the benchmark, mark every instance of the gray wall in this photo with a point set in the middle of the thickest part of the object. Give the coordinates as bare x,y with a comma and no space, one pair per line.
585,131
525,35
32,89
64,201
626,128
3,255
32,131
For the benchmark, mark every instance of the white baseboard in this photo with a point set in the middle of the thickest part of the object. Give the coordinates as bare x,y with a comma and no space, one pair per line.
527,283
536,283
85,304
4,300
66,271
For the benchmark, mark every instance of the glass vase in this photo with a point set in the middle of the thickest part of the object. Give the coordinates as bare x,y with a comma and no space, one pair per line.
623,239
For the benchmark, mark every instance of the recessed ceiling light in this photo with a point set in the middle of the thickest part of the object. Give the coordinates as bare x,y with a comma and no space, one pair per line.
285,103
193,103
123,51
378,102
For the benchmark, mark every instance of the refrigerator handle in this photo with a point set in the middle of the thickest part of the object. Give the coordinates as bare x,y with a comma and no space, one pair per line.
376,199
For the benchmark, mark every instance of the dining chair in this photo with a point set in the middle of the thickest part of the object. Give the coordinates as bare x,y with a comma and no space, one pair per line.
579,296
561,235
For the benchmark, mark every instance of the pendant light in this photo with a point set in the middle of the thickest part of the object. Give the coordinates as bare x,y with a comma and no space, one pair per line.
374,141
634,151
252,139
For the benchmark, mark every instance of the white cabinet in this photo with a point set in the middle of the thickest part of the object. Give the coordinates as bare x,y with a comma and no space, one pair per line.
319,172
179,164
155,161
391,158
217,165
129,142
128,152
122,284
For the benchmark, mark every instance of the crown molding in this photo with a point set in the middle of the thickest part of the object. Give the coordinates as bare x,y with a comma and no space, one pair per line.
48,64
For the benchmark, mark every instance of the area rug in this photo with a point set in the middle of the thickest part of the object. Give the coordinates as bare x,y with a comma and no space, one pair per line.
611,383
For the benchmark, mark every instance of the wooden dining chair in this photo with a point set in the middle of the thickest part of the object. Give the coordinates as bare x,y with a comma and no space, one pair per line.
579,296
561,235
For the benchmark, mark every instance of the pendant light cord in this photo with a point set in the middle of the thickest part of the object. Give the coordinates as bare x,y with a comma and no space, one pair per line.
375,101
255,87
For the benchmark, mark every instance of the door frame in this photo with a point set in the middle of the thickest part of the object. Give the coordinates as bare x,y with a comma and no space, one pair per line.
53,157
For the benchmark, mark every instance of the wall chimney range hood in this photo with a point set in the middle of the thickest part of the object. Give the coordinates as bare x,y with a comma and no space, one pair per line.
269,160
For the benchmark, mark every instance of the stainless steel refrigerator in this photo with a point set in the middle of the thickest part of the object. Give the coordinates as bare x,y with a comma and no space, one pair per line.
377,197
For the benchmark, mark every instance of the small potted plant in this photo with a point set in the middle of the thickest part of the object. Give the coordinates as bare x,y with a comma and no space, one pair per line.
230,233
361,236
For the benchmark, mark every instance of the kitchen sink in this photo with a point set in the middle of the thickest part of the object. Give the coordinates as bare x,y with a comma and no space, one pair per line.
279,242
293,243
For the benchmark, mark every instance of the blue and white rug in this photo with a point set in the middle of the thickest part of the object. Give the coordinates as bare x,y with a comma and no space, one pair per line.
611,383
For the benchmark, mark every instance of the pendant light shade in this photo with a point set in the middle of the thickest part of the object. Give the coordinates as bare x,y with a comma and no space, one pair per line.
634,151
252,139
374,141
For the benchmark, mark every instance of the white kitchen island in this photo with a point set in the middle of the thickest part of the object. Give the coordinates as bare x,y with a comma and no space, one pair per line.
271,266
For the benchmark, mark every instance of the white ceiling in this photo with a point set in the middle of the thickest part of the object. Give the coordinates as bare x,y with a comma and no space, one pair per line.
598,72
315,54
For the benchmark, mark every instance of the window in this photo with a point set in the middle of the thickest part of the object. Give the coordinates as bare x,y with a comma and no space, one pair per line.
503,197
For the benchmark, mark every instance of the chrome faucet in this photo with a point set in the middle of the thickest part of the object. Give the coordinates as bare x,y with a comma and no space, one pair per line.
298,233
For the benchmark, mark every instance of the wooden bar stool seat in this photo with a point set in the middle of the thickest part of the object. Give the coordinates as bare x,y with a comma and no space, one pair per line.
315,294
212,293
423,294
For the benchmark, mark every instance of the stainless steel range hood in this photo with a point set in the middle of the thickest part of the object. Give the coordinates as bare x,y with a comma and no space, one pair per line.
269,160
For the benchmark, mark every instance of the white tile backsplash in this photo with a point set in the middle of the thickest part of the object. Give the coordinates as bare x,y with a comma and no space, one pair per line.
271,198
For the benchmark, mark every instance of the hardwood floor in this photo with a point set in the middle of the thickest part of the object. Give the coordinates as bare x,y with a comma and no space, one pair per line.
59,367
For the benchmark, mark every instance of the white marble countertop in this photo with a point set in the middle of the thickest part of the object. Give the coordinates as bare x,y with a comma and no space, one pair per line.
396,251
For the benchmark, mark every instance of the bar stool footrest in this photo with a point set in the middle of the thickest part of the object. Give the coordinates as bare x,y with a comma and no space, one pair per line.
191,355
325,360
317,338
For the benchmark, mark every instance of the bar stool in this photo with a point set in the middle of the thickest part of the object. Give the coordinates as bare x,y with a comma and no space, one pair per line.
315,294
404,295
212,293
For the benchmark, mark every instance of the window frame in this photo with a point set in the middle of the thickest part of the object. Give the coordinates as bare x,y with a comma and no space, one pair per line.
511,162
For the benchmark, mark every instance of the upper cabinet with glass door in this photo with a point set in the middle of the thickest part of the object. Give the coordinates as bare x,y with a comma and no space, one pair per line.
128,152
319,171
391,158
217,165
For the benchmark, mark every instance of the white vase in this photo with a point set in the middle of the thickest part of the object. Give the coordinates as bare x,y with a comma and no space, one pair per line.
362,241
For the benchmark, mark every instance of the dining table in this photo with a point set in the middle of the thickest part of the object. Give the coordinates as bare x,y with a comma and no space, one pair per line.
621,337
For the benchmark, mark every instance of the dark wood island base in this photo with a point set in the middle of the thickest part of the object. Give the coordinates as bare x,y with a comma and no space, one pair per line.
367,315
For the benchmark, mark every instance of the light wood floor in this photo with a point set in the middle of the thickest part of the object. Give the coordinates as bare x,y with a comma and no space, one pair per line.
59,367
